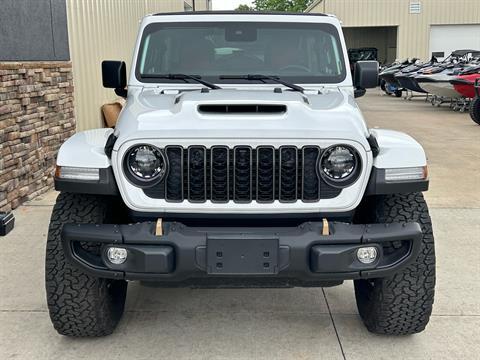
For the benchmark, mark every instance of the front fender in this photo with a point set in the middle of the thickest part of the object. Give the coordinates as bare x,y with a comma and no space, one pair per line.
397,150
85,149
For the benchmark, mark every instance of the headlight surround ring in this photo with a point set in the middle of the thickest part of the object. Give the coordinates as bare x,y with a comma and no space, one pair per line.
341,181
133,170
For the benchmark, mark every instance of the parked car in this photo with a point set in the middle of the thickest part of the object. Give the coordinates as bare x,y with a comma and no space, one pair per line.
245,168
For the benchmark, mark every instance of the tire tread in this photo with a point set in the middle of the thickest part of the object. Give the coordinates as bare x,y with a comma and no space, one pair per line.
401,304
79,304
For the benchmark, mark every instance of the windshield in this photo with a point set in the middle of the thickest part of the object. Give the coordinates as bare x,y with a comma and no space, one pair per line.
295,52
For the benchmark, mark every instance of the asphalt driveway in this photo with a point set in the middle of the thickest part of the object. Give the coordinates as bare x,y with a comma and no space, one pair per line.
275,323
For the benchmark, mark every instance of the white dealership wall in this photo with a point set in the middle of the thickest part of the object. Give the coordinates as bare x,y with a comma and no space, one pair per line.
414,20
106,30
446,38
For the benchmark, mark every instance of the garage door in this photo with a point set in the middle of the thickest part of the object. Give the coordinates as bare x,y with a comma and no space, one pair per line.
382,38
447,38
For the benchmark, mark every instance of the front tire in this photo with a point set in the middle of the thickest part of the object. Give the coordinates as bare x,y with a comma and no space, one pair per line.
80,304
400,304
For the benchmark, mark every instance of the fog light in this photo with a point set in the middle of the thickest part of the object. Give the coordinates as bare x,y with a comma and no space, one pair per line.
367,255
117,255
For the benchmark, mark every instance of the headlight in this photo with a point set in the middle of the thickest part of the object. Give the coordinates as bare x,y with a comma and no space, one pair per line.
340,165
145,165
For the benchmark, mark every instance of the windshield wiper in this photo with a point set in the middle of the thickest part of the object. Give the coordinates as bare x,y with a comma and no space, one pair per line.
260,77
185,77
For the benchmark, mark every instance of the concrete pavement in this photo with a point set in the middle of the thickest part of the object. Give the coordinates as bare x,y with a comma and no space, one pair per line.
275,323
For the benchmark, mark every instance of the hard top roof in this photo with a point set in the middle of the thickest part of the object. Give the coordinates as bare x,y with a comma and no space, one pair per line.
233,12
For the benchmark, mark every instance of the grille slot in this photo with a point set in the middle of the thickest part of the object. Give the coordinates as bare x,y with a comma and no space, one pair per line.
242,175
265,174
310,182
288,173
219,177
197,174
174,180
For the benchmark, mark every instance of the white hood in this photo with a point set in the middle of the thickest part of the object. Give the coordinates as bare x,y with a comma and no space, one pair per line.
154,115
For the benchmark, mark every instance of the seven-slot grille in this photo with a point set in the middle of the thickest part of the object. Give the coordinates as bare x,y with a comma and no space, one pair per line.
242,174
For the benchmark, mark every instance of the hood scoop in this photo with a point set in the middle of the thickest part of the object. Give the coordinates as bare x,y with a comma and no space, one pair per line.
243,109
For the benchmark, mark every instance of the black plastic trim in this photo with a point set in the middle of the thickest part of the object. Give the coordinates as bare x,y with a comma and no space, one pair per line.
109,145
235,195
378,186
7,222
296,247
105,186
226,218
189,174
372,140
281,177
319,178
257,197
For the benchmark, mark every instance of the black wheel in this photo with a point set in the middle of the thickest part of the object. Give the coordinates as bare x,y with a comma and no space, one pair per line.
398,93
400,304
475,110
383,85
80,304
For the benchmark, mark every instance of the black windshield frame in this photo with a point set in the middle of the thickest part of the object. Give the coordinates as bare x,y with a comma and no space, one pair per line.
296,79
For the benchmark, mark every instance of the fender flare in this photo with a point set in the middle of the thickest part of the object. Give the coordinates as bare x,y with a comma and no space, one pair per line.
86,149
396,150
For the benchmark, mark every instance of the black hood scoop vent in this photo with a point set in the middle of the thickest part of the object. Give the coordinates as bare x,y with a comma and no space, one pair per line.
242,109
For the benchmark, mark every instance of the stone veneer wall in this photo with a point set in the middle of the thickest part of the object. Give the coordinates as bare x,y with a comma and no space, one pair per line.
36,117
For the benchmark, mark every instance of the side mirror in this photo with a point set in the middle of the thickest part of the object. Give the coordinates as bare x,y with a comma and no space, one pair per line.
365,76
114,76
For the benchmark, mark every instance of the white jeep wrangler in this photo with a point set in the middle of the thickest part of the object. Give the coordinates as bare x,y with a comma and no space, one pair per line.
240,160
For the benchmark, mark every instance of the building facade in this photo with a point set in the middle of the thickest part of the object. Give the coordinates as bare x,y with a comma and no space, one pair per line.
406,28
106,30
50,78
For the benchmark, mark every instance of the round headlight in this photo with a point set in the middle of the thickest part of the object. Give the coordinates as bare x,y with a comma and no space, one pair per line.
339,164
145,164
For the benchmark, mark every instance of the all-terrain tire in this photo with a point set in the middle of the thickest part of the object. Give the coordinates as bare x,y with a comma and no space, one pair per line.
400,304
80,304
475,110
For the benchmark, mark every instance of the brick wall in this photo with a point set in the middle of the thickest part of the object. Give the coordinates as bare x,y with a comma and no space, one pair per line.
36,117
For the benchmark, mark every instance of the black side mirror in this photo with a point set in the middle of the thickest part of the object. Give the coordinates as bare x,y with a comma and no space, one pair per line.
365,76
114,76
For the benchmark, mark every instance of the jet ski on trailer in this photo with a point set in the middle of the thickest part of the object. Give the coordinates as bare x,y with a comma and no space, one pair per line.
436,80
464,83
387,77
406,76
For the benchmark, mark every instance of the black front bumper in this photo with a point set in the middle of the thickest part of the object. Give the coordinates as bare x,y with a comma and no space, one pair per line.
299,256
